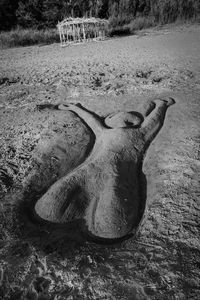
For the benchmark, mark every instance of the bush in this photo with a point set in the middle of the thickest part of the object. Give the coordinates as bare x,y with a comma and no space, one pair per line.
119,20
27,37
118,26
141,23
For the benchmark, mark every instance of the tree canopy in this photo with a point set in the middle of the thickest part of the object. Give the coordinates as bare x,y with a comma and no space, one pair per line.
47,13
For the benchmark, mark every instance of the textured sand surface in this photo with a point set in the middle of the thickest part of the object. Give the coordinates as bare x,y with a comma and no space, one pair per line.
163,262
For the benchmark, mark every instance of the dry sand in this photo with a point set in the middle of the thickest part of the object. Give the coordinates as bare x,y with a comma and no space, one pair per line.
163,262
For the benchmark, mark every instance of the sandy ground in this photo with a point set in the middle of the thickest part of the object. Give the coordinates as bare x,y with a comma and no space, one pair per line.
163,262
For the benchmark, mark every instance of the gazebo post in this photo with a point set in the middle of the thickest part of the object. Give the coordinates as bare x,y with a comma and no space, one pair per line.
98,31
60,34
71,33
64,34
67,31
96,26
104,30
67,34
63,37
76,33
75,37
79,32
84,32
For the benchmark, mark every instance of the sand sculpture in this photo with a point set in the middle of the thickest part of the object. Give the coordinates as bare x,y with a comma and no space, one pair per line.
77,30
106,190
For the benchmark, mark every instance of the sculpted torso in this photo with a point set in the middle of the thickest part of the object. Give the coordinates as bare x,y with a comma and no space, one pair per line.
105,189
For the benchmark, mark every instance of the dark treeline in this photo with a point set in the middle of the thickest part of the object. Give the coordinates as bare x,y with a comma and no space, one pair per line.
46,13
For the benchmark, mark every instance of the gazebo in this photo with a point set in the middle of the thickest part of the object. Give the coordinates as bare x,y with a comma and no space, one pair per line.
77,30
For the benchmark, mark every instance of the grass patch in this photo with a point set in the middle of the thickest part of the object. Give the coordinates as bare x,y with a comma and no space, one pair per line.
120,27
27,37
119,30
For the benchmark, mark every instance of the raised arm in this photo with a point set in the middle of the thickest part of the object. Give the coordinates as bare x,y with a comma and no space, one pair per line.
155,115
90,118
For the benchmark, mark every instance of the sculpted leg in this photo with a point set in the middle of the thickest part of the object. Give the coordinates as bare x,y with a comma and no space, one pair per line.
147,108
155,119
116,212
63,201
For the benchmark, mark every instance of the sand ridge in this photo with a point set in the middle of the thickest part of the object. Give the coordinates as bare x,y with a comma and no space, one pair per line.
118,74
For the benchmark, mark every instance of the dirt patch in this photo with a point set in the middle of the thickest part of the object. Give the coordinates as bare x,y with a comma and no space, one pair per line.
120,74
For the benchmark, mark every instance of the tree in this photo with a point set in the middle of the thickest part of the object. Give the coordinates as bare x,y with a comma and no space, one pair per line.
47,13
7,14
55,10
30,14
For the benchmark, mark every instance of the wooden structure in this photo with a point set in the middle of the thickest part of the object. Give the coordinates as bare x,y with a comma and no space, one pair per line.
77,30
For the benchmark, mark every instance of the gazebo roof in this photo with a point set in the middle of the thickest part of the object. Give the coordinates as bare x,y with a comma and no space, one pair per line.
71,21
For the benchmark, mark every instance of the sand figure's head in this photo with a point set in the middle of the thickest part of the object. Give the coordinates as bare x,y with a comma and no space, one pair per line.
124,119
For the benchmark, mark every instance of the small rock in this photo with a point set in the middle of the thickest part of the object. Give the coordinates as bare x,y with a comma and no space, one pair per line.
46,80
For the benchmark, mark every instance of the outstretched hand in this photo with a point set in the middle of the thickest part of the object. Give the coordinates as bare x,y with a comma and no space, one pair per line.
68,106
47,105
168,100
57,106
